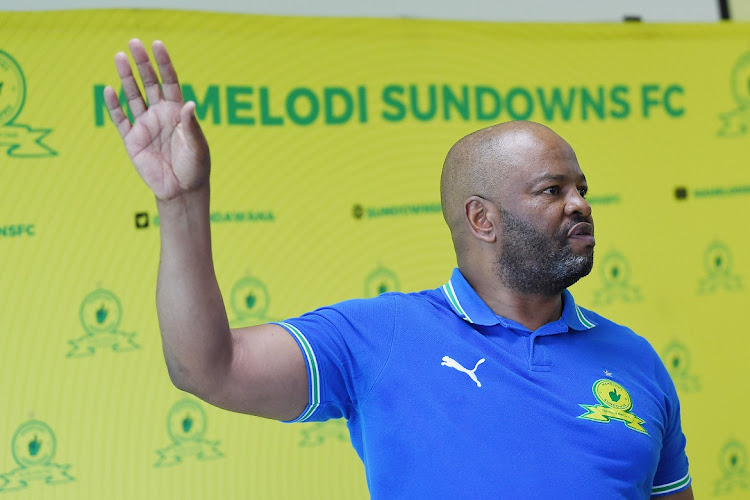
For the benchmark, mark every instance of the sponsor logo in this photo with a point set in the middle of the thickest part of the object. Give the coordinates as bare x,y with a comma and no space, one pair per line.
733,464
186,426
717,261
100,315
615,273
676,358
616,404
19,140
33,447
381,280
452,363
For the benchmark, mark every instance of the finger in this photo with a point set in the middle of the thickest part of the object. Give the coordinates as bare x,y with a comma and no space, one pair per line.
146,71
129,86
115,111
170,86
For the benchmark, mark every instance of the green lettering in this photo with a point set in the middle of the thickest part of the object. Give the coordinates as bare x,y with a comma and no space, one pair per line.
210,102
452,100
647,101
265,110
235,105
390,93
330,96
618,95
527,112
487,113
312,105
668,102
430,113
99,106
362,101
550,107
588,101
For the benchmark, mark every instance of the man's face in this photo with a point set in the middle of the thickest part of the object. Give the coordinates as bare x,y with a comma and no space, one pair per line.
547,232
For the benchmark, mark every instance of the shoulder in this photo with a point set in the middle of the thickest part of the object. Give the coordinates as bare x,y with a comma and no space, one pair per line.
628,343
624,336
383,308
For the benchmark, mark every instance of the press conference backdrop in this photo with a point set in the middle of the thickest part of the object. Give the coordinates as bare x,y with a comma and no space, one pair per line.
327,138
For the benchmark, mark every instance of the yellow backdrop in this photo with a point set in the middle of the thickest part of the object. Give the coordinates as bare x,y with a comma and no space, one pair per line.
327,140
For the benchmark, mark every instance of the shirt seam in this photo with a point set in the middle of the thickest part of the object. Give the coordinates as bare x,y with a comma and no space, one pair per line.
387,358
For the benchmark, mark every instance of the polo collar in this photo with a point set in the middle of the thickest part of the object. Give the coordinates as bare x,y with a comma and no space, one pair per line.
465,302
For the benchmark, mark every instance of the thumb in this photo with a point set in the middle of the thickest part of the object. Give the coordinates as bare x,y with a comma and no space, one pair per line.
191,127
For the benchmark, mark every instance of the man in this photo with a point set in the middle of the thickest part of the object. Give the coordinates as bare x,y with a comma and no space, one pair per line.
495,385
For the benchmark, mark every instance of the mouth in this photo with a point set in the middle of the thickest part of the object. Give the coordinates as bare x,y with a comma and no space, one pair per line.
583,232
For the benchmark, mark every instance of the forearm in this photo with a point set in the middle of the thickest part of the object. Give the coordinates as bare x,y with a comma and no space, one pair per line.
195,331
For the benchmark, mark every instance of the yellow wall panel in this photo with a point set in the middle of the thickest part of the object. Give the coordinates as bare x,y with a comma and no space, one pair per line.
327,140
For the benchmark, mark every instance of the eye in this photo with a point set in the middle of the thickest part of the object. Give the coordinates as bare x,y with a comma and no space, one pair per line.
582,191
552,190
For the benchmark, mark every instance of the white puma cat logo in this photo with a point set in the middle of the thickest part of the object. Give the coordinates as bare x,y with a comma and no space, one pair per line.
452,363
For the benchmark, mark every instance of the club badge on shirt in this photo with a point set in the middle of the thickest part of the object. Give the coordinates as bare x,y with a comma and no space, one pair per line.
616,404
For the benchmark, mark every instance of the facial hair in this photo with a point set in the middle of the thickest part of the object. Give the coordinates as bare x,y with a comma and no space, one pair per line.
535,263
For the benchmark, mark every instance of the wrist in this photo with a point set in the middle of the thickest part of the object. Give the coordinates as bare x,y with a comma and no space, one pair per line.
191,205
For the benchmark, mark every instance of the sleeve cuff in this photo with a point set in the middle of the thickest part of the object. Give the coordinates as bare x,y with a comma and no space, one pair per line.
673,487
313,374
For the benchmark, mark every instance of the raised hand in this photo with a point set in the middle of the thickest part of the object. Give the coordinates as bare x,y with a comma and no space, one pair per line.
165,141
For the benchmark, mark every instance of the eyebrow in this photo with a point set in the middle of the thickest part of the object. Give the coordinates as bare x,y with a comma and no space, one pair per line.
552,177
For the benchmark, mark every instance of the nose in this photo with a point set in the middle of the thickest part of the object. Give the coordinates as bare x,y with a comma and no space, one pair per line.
576,203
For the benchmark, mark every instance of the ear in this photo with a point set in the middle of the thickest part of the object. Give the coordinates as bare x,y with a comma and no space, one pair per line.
481,215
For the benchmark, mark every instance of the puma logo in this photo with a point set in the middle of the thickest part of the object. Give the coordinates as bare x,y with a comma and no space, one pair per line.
452,363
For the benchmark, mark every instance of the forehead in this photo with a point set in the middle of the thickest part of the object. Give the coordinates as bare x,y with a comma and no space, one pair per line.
543,161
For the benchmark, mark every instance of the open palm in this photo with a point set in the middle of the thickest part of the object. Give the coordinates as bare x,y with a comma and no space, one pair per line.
165,142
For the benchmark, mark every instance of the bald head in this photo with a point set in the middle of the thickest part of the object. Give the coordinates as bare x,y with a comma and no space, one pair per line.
478,164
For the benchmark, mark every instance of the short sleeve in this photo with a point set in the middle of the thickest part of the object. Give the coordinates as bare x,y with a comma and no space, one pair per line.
345,347
672,473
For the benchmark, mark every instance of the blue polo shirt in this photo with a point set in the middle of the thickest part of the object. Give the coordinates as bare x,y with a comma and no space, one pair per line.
444,398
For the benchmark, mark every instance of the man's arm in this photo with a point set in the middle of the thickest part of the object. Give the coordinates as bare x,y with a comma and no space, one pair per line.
258,370
686,494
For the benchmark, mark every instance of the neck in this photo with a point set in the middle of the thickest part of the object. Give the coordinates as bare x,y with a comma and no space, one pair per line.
532,311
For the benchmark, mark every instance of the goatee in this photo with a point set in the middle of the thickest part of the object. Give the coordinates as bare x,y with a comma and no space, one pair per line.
534,263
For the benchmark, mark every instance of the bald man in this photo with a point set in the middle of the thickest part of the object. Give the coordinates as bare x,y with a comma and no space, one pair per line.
494,385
